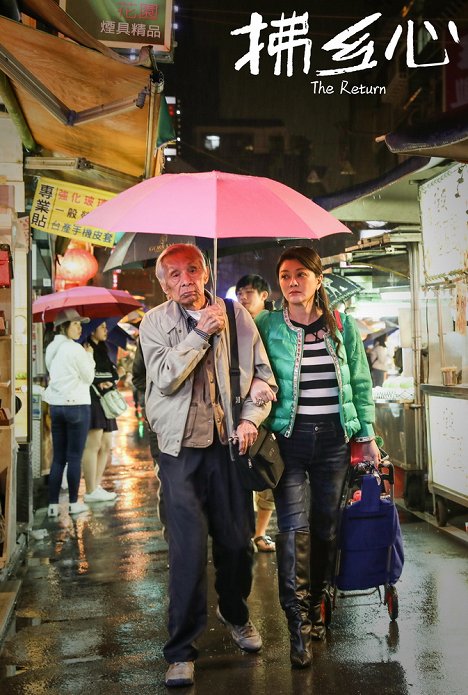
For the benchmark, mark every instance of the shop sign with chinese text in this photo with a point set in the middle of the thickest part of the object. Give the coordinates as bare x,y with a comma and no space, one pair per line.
125,24
58,207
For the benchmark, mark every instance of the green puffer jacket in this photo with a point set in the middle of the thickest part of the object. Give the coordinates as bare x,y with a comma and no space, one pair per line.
284,343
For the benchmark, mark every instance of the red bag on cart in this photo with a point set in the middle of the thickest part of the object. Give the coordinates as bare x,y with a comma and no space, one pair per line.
6,266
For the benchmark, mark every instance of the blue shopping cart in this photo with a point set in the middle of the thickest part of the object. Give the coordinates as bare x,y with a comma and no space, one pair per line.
369,552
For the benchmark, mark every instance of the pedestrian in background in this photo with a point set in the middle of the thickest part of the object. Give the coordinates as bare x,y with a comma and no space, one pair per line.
379,360
324,399
71,371
99,439
252,292
185,346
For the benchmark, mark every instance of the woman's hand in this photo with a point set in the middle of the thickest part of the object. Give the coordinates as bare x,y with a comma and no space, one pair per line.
260,392
105,385
370,451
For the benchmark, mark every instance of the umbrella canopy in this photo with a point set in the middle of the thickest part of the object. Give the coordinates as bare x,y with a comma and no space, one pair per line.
95,302
214,205
339,288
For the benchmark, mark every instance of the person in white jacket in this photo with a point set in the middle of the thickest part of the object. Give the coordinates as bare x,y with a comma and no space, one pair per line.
71,371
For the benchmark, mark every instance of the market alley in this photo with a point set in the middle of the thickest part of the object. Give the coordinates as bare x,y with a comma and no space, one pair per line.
91,612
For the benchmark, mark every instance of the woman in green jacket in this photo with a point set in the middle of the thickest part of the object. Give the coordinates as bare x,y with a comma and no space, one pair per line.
324,400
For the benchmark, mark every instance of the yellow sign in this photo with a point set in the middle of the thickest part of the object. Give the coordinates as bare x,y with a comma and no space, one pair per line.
58,207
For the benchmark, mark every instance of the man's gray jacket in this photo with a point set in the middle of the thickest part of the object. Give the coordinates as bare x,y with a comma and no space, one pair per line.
171,352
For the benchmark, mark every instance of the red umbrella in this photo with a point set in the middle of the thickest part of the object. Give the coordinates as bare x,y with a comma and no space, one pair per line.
215,205
95,302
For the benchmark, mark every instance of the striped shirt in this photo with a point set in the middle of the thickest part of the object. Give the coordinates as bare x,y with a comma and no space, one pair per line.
318,385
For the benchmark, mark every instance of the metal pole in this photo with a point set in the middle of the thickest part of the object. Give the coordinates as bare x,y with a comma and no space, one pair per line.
441,329
415,285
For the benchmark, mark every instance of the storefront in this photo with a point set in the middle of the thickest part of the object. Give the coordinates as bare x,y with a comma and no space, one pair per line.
393,254
15,386
444,202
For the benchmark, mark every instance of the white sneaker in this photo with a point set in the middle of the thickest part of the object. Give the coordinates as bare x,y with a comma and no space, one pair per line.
53,510
77,507
99,495
110,495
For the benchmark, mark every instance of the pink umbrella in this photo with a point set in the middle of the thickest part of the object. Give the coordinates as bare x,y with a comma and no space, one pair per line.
215,205
95,302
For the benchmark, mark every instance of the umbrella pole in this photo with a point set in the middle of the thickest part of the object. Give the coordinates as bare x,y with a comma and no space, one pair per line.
215,264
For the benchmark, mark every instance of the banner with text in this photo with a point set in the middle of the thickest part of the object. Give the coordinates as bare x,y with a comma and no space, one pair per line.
125,24
58,207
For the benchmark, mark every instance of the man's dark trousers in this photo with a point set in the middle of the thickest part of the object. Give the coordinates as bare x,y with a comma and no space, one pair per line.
203,495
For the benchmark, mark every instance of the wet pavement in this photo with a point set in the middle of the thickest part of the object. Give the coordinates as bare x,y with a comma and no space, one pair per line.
91,612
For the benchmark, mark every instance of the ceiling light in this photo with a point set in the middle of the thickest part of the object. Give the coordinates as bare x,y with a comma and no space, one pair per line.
376,223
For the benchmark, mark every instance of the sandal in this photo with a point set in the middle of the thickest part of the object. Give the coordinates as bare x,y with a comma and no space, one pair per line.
264,544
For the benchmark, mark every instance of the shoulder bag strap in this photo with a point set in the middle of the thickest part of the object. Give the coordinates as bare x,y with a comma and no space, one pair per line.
234,371
339,322
99,395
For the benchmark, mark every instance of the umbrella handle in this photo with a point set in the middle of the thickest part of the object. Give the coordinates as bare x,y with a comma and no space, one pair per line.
215,265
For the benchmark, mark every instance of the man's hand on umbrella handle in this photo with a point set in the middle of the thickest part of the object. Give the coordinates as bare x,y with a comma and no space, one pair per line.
246,434
212,319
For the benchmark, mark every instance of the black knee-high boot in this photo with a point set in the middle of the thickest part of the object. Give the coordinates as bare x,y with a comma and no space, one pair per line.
320,558
292,552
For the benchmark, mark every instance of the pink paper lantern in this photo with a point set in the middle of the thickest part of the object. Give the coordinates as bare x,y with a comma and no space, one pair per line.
77,266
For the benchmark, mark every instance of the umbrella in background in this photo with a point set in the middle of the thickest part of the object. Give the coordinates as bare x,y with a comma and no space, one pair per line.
133,250
215,205
339,288
95,302
389,327
141,250
116,335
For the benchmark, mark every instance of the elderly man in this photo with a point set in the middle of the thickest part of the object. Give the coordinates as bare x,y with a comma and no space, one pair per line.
185,345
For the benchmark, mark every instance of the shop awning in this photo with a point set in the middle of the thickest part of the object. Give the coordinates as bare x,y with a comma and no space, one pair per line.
392,197
77,101
446,137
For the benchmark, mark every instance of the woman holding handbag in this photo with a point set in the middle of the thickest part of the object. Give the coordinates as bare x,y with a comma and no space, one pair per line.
71,371
324,400
99,440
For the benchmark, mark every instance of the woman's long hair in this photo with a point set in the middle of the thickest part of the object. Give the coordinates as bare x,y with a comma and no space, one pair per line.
310,259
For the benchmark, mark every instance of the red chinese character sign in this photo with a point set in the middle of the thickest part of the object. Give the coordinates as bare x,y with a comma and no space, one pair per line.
125,24
58,207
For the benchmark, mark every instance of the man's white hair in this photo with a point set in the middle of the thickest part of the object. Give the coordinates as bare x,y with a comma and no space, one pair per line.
172,249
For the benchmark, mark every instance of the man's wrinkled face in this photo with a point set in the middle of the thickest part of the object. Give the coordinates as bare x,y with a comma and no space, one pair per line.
185,279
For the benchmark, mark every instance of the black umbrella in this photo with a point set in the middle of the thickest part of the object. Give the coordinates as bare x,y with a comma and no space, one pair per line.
139,250
339,288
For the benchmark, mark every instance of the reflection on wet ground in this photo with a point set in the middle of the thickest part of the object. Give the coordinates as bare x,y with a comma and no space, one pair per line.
92,610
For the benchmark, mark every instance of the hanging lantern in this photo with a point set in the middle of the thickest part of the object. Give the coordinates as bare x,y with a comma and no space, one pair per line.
77,267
